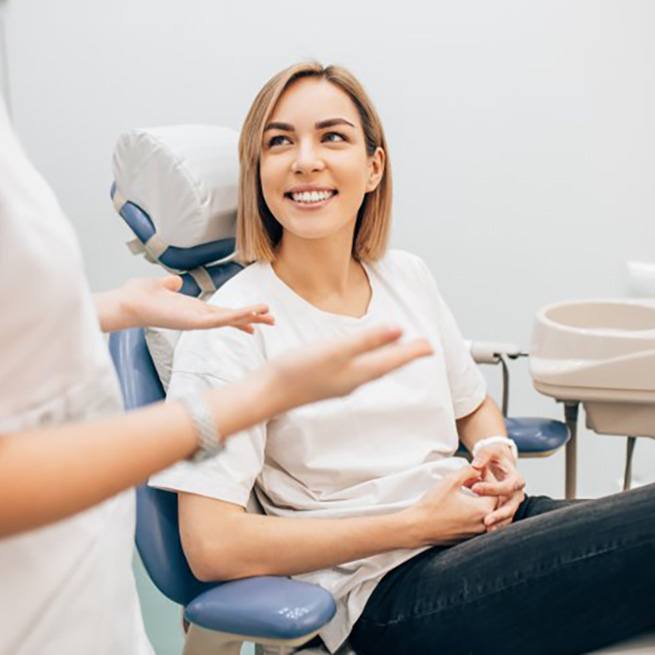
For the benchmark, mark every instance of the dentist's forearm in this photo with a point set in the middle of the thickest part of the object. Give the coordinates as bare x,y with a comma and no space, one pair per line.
51,473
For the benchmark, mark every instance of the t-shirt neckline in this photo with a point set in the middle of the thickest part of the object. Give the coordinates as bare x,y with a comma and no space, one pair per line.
344,318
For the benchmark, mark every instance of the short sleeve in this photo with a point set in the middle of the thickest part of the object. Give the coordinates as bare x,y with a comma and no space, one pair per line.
204,360
467,385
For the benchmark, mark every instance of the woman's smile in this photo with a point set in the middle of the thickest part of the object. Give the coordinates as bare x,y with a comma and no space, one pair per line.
310,198
314,161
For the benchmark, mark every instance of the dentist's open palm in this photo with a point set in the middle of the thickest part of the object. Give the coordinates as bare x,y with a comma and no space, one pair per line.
156,302
336,368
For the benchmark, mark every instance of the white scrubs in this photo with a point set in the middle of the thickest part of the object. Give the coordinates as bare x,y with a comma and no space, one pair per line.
68,588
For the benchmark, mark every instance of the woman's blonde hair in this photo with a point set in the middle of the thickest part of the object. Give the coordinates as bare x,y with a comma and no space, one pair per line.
258,231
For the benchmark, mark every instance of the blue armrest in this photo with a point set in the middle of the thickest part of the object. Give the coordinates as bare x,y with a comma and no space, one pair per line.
265,607
270,607
533,436
537,435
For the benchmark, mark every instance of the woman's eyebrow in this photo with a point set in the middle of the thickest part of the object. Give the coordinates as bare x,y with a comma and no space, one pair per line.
330,122
287,127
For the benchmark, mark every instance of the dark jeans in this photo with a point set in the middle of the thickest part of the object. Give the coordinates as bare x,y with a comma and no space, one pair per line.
565,577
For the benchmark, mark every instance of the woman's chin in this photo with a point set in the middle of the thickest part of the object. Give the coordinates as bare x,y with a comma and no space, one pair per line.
315,227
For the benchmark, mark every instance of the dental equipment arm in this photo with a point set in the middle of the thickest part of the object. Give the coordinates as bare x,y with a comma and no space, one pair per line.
155,302
51,473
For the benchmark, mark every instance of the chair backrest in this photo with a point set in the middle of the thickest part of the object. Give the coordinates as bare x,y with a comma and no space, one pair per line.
176,189
157,535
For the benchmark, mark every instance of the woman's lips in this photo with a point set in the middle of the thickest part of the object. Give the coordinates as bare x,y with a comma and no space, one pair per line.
309,205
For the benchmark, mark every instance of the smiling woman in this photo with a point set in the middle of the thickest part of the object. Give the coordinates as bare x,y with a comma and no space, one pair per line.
279,140
364,495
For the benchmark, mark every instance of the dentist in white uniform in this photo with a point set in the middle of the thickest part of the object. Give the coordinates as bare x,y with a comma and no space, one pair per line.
68,457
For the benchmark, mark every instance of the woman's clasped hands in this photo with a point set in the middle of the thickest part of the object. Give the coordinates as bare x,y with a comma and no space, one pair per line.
479,498
500,480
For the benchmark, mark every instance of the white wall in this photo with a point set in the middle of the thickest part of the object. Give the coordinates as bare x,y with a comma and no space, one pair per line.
521,136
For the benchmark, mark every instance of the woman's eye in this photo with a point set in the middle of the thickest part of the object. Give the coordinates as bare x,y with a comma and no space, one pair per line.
329,137
276,140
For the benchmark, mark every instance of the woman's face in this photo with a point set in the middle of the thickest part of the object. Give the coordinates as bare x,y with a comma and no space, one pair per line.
314,168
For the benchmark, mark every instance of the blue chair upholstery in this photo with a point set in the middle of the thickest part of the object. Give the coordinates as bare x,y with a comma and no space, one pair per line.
534,437
264,607
537,436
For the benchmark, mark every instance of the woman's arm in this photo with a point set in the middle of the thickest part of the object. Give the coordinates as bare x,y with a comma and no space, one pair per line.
223,542
48,474
485,421
501,479
156,302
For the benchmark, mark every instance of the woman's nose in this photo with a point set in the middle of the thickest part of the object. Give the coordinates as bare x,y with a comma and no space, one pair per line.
307,159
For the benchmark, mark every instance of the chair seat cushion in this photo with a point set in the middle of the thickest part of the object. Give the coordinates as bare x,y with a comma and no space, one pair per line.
533,436
273,607
537,435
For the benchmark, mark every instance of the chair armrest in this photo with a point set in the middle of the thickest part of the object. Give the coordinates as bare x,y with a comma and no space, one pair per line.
490,352
266,607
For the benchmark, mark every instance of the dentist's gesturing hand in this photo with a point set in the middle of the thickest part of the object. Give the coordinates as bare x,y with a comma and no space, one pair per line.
507,484
337,368
155,302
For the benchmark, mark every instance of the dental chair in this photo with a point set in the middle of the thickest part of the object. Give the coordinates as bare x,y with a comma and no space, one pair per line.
271,611
175,188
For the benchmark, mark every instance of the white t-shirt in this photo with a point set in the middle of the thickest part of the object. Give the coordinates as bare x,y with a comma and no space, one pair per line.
66,588
374,452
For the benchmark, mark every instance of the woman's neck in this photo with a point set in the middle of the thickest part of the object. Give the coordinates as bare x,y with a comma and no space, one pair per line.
324,272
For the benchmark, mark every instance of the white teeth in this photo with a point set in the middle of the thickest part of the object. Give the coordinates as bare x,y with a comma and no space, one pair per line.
311,196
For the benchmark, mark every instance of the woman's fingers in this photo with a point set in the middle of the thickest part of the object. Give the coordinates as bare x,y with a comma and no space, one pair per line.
504,513
507,487
500,524
483,458
465,477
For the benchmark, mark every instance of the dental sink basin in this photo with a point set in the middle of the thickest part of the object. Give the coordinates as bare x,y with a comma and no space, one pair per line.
601,353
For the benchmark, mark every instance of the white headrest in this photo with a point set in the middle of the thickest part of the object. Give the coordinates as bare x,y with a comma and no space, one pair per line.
185,177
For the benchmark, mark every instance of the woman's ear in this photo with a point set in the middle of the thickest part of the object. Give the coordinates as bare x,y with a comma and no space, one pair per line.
376,169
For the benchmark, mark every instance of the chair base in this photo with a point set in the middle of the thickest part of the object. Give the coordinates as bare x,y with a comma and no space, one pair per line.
200,641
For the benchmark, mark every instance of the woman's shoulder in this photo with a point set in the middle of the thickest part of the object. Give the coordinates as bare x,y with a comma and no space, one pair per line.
244,287
402,264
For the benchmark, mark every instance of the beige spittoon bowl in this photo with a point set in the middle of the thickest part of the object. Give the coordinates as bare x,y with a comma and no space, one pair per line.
602,354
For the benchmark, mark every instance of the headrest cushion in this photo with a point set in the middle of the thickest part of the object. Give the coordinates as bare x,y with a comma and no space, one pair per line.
185,177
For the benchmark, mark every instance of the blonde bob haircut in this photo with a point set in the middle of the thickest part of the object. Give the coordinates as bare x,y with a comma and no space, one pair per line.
258,231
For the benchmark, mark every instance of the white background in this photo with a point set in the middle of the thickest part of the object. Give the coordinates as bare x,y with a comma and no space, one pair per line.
521,137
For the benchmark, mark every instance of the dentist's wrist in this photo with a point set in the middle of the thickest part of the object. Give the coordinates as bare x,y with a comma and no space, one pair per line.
114,312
